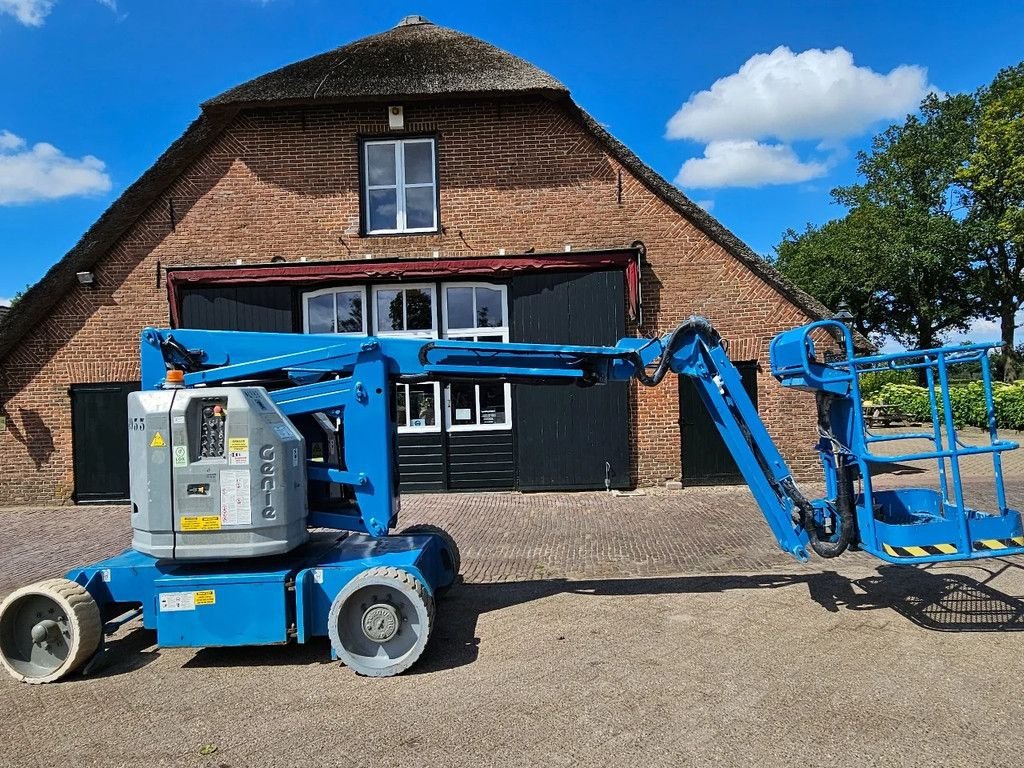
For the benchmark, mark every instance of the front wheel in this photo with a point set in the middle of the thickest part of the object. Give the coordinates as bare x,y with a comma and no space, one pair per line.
380,622
48,630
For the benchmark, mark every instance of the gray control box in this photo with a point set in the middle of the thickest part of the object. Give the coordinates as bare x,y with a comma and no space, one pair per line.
215,473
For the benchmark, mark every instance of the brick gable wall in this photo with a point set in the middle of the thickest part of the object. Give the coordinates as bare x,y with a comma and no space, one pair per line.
513,175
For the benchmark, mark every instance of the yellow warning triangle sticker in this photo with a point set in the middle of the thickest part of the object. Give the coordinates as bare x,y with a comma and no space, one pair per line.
158,441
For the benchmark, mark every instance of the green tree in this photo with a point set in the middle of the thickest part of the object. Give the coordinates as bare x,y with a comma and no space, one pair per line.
992,191
899,257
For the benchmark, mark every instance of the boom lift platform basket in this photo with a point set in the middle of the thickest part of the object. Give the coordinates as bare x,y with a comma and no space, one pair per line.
226,490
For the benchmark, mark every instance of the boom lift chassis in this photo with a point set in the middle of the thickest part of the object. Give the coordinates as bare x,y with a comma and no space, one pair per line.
373,592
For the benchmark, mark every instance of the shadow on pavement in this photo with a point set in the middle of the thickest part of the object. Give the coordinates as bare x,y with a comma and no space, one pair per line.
932,598
928,597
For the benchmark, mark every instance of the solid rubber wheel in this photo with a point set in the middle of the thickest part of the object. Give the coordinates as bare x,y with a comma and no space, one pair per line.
48,630
451,548
380,622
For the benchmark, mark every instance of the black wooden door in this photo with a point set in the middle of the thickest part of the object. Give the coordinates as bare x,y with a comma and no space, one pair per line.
705,459
567,437
99,434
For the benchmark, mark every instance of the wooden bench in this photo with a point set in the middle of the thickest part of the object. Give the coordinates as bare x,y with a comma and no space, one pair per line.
882,415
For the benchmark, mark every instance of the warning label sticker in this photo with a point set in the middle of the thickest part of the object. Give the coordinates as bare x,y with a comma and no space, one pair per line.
186,601
158,441
238,451
282,430
177,601
235,499
202,523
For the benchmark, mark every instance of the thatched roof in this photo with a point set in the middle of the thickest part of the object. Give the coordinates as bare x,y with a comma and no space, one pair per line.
416,59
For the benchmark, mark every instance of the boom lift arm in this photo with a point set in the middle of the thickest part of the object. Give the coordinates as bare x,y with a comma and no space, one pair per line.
348,379
225,485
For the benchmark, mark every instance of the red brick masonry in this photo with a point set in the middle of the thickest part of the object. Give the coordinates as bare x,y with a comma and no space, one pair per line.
285,182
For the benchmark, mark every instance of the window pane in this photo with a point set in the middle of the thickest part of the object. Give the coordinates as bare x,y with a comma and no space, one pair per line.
350,312
402,414
389,311
460,307
488,308
490,339
419,163
419,207
320,313
419,312
380,164
492,404
383,213
463,403
421,405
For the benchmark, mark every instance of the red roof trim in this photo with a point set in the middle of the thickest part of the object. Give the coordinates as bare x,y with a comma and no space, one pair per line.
401,269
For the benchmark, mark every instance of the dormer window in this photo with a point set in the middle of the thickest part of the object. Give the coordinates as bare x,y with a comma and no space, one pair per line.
399,186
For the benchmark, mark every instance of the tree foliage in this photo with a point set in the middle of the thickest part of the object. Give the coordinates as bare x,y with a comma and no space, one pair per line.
992,191
933,230
898,258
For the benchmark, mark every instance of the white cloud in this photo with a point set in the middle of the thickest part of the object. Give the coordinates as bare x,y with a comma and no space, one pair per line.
707,205
43,172
8,141
814,94
980,330
749,119
31,13
4,302
746,164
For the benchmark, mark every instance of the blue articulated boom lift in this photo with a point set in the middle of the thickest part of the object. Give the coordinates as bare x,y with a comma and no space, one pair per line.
225,488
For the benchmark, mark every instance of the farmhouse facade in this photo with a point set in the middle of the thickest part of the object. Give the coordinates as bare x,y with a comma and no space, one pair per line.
418,182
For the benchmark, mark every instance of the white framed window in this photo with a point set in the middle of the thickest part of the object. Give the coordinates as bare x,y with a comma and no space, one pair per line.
476,312
399,186
335,310
405,310
417,408
410,310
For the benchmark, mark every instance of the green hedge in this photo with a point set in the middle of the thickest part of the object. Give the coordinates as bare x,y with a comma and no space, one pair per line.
968,401
871,383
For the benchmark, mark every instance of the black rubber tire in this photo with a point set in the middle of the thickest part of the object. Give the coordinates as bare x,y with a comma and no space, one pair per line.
450,543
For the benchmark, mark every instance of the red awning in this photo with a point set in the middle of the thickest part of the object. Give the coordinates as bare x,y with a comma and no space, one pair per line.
340,272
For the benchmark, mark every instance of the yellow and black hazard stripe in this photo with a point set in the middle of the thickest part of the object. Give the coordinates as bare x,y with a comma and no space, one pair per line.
923,550
994,545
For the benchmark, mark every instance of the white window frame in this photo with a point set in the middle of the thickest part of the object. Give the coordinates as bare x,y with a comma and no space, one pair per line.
402,388
335,290
399,186
430,333
472,333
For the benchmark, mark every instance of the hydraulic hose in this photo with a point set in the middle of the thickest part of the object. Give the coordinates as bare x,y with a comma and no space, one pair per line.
700,325
823,548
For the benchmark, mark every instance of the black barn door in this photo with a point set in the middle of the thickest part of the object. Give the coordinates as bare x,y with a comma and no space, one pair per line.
567,437
99,433
705,459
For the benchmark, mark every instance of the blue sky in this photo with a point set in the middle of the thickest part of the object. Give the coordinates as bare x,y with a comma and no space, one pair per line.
767,111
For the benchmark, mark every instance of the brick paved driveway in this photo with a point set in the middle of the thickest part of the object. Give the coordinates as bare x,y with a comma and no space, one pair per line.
591,630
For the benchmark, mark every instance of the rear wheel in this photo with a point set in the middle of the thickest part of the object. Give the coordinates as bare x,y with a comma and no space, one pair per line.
450,553
380,622
48,630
